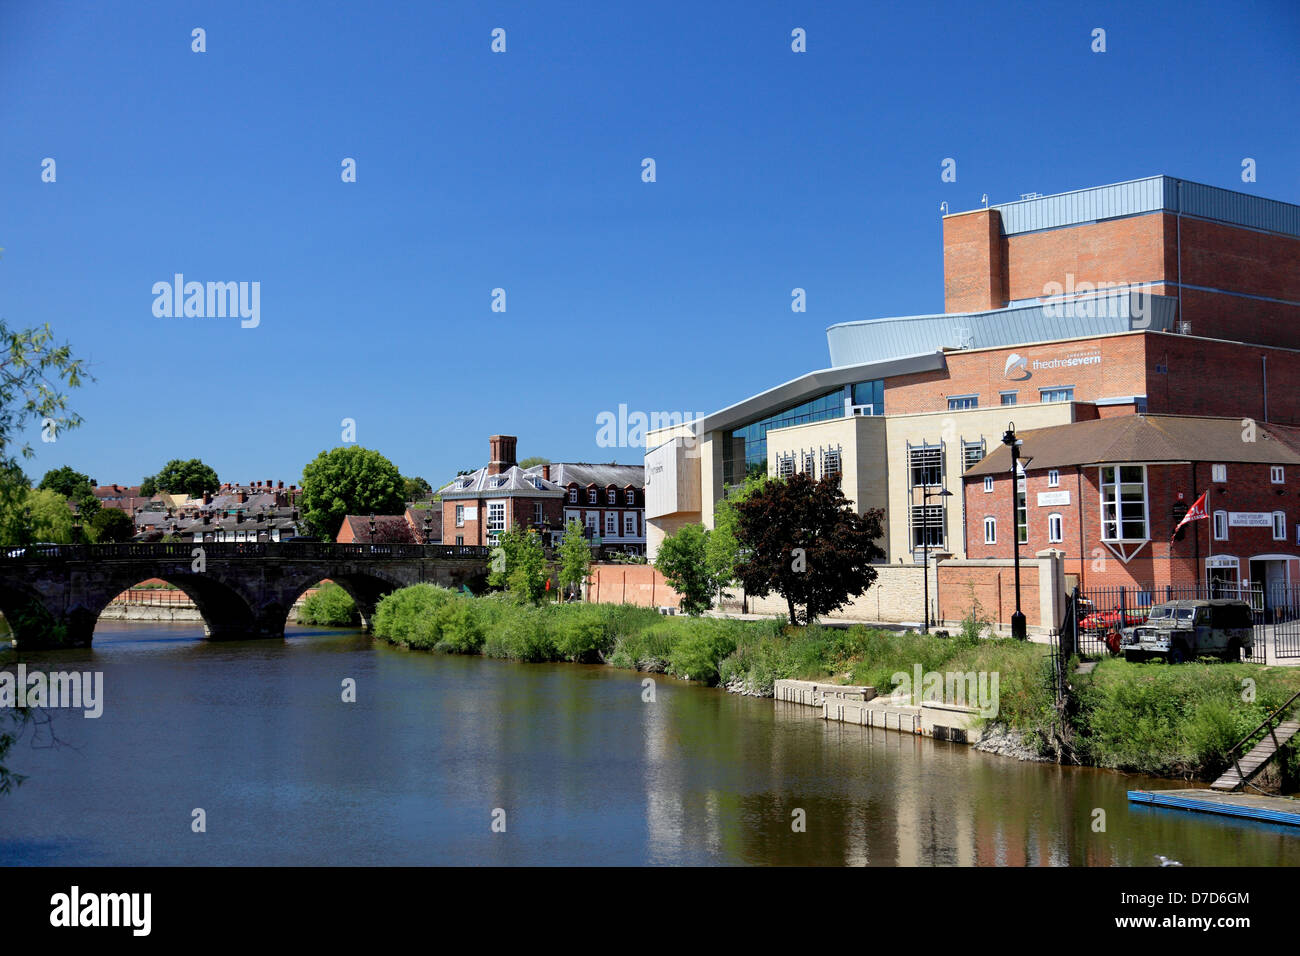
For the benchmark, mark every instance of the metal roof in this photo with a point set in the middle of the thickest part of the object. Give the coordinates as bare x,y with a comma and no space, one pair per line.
585,473
1153,194
875,339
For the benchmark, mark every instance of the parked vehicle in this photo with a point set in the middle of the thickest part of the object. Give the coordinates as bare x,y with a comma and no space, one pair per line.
1185,630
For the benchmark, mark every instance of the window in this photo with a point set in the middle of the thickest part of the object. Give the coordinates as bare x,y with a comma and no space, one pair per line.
963,401
1053,478
927,526
1279,525
988,484
1056,394
591,496
1008,398
537,512
460,516
497,481
868,398
460,539
1055,528
611,497
990,530
629,524
972,452
1022,513
1221,526
1277,475
785,466
593,521
927,465
611,524
538,483
631,496
1218,472
1123,503
809,464
831,462
573,495
496,522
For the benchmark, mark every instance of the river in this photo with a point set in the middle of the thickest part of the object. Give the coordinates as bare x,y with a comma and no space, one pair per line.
256,735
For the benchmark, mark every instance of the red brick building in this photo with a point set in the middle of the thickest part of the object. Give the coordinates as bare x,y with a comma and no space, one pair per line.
607,499
1110,492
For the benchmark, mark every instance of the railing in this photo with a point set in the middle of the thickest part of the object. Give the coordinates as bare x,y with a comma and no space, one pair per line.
1236,752
288,550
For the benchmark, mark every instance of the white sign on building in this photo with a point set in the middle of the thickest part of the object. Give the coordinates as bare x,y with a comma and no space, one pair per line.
471,512
1049,498
1250,519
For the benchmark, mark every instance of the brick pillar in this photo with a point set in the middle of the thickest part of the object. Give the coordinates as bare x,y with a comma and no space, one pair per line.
974,261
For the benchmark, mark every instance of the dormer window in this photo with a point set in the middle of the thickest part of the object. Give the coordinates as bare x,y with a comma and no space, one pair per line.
573,494
591,496
631,496
611,496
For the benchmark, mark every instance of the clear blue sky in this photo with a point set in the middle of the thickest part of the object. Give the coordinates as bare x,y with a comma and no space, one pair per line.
522,171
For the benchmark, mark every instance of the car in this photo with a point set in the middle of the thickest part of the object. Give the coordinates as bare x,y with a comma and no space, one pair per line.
1184,630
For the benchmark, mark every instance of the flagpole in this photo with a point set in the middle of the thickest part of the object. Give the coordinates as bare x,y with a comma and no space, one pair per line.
1209,526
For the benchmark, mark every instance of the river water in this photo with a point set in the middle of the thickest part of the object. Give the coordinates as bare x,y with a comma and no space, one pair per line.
257,736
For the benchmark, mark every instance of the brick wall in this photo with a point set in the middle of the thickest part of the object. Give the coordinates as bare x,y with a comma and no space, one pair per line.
974,273
993,585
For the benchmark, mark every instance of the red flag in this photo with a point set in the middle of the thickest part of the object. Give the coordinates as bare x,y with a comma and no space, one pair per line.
548,584
1196,513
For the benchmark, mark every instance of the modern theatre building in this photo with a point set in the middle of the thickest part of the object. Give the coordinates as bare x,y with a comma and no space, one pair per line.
1155,297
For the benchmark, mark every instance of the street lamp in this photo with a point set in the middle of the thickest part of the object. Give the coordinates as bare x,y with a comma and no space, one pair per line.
926,495
1009,439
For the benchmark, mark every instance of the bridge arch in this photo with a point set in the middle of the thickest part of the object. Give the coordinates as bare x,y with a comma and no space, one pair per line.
364,586
225,611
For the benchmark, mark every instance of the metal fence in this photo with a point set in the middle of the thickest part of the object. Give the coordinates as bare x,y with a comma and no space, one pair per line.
1102,612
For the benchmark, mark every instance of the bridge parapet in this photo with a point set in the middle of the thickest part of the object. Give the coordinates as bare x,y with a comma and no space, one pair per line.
284,550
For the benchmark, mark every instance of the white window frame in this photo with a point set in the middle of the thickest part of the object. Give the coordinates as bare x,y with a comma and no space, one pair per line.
1053,478
1055,528
1277,474
573,496
1118,485
1220,525
611,496
629,524
611,524
1003,396
1279,525
592,520
957,403
990,529
537,512
460,516
1219,473
631,496
988,484
1044,392
593,496
488,526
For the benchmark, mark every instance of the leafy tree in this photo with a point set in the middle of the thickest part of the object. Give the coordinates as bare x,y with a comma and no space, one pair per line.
804,541
534,460
681,560
348,480
178,477
518,563
50,518
67,482
416,489
110,525
148,487
575,555
722,550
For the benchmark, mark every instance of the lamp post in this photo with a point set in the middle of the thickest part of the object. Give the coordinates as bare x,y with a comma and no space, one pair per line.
1018,630
926,495
76,523
372,527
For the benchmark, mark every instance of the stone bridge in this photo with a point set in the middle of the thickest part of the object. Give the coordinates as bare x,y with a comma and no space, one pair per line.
51,595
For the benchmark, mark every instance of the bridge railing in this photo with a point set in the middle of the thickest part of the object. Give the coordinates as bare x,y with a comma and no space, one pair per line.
287,550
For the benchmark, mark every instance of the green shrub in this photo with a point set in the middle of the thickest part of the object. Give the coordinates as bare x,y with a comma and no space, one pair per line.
407,617
460,627
699,651
330,606
583,633
523,633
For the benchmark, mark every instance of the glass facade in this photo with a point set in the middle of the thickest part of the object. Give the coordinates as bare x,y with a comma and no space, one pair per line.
745,449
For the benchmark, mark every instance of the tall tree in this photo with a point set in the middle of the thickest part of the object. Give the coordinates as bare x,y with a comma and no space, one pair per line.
575,555
518,563
74,487
348,480
179,477
722,549
804,541
416,489
110,525
681,560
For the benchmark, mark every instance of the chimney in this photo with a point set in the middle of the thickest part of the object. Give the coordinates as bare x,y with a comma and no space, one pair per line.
501,453
239,517
546,472
207,497
280,485
243,496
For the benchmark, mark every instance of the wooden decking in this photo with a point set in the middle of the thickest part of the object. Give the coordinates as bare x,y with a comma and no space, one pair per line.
1243,805
1245,769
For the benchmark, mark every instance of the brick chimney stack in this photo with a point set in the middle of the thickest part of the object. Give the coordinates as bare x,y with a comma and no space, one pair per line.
546,472
502,453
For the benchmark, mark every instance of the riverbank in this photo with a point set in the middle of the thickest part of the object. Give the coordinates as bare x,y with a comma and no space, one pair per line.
1172,721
